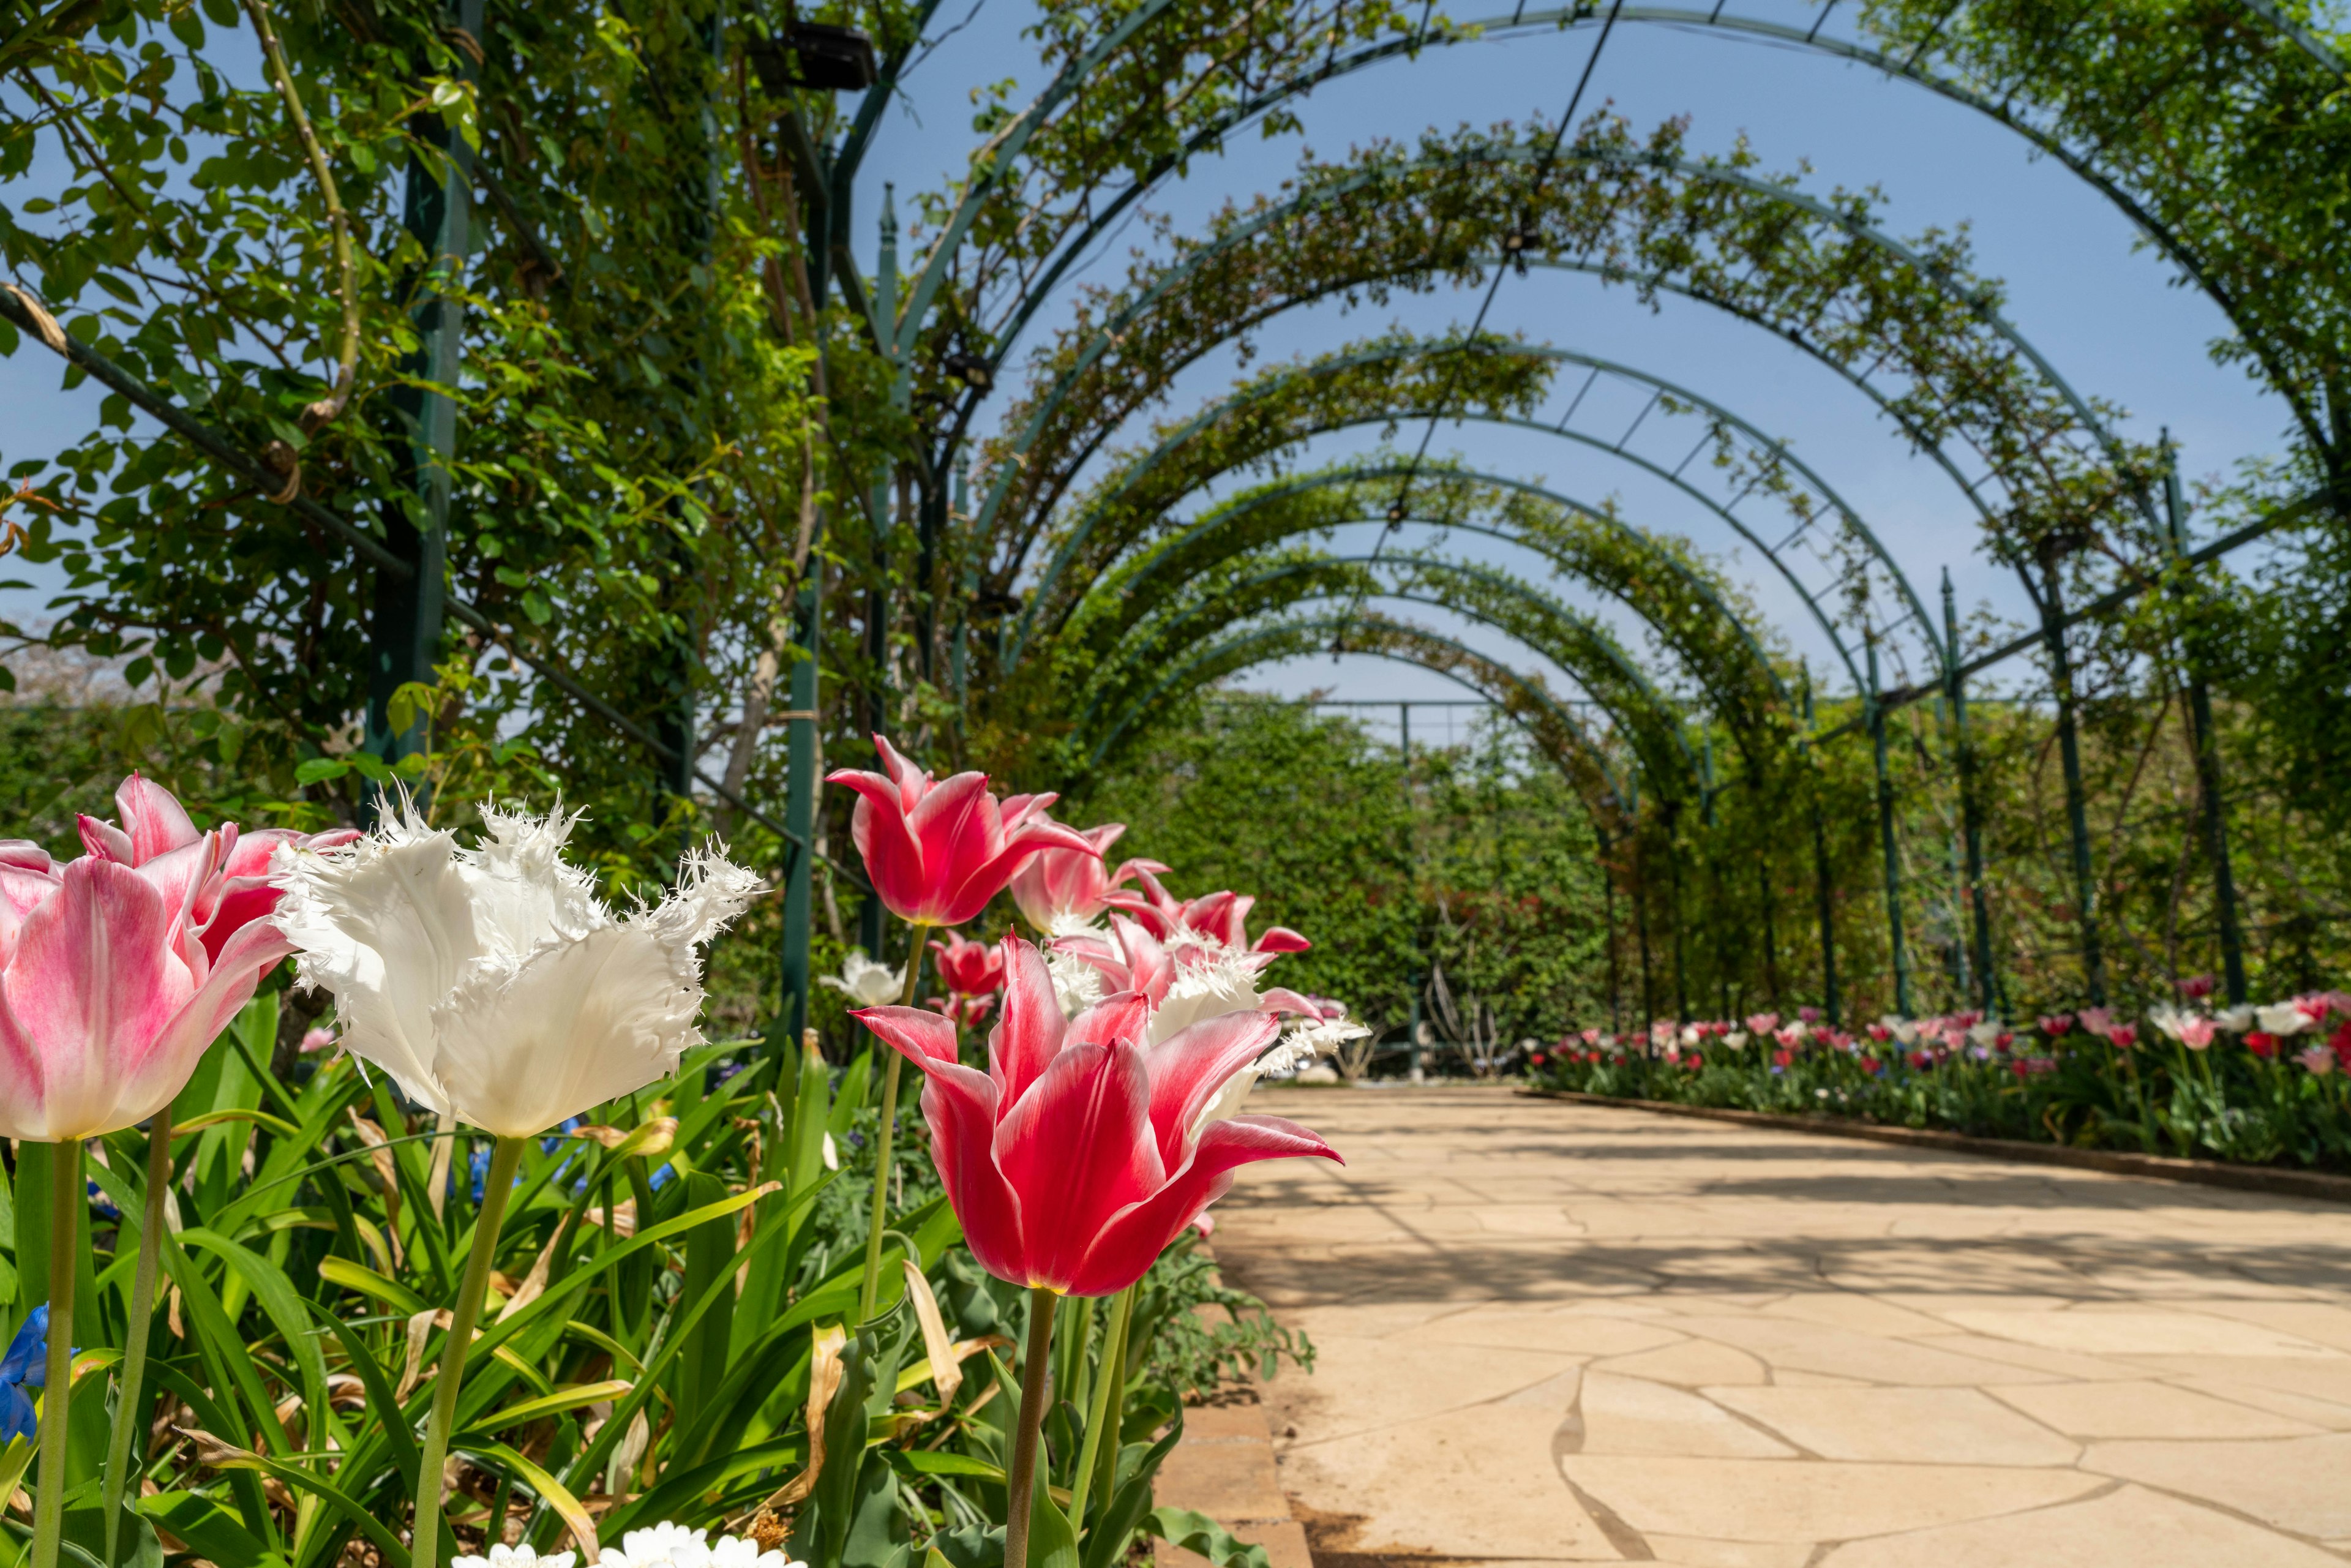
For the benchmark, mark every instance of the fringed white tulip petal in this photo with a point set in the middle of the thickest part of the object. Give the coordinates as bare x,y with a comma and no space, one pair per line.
386,923
524,1046
524,893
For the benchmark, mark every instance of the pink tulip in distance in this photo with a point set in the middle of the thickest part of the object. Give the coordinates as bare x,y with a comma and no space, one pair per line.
1062,887
937,852
1080,1153
118,969
1218,917
969,969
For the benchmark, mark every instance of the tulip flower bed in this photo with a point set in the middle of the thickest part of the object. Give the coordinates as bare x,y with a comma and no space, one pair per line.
507,1264
2258,1085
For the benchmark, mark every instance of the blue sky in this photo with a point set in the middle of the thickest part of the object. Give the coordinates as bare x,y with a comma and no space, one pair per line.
2106,312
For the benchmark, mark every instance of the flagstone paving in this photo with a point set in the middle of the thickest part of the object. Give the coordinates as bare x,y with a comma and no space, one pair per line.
1550,1332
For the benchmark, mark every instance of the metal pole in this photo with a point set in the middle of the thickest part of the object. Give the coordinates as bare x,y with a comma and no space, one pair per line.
404,620
1829,1000
1641,905
1412,891
1876,718
2207,743
877,596
1608,892
2077,813
1955,689
799,816
1674,891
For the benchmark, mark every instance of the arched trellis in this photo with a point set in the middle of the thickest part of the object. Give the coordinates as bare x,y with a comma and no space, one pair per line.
1573,642
1523,21
1640,571
1590,771
1975,302
1722,419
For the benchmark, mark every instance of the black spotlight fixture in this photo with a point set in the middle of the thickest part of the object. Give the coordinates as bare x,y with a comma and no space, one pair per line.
816,56
971,369
1396,513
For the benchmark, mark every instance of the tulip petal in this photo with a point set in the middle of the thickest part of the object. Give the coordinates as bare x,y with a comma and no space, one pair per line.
1280,939
1120,1017
959,1105
520,1048
171,1060
912,782
1190,1070
892,856
153,816
962,831
1134,1240
1029,1035
93,982
106,841
1154,968
388,926
917,1033
1078,1149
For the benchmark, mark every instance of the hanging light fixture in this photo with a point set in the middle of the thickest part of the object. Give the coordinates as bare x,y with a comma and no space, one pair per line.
972,370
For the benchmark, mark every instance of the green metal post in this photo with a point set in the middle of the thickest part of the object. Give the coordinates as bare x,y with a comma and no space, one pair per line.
1874,713
2207,742
1829,1000
404,622
877,597
1674,891
2078,810
799,816
1608,892
1640,905
1412,871
1970,800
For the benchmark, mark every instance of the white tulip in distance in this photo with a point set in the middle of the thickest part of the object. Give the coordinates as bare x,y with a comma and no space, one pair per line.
491,982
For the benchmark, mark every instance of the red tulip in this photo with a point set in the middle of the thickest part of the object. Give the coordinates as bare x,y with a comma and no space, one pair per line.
1079,1154
938,851
969,969
1062,886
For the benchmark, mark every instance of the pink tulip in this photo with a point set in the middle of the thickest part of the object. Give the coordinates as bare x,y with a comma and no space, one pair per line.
969,969
1220,918
1762,1023
2098,1021
156,837
1080,1154
2195,1033
118,970
1065,886
938,851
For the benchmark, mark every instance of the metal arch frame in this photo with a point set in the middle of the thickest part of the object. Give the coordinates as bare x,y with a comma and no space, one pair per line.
1743,29
990,162
1590,629
1568,724
1393,471
1110,332
1016,636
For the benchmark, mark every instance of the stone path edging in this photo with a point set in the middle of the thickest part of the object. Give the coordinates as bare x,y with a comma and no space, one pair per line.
1224,1469
2208,1172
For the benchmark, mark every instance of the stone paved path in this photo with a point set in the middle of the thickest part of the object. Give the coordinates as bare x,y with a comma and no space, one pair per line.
1552,1332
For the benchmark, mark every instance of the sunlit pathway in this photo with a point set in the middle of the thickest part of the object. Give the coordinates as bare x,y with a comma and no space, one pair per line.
1558,1332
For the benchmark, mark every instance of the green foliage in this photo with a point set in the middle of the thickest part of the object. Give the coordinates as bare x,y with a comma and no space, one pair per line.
1483,863
662,1293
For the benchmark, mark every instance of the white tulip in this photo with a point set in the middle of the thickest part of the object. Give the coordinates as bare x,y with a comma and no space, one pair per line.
868,984
517,1557
2282,1019
667,1546
491,983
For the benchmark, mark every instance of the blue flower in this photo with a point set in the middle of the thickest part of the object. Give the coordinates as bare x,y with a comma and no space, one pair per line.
101,1204
27,1365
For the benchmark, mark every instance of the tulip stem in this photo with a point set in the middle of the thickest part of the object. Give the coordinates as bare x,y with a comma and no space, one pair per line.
505,1157
1022,1483
869,1292
142,1311
1105,1405
66,1203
